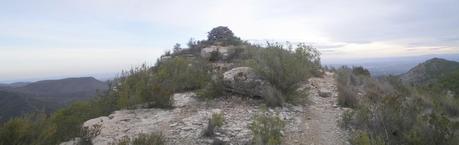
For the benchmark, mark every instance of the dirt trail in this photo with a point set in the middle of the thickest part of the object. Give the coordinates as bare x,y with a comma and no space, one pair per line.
319,122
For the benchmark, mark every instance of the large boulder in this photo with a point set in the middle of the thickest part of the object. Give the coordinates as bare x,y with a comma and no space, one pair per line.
224,52
244,81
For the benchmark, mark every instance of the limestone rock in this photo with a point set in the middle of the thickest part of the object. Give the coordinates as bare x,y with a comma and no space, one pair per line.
325,93
244,81
225,52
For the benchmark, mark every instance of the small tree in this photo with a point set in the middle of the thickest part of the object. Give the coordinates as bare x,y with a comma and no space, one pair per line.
222,35
177,48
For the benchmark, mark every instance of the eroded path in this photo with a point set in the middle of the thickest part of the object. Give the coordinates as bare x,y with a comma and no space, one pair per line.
318,125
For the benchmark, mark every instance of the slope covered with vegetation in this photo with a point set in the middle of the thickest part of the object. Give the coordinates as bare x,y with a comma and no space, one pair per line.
46,96
387,111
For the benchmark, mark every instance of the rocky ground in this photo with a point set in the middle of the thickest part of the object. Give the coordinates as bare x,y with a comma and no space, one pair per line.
313,123
318,123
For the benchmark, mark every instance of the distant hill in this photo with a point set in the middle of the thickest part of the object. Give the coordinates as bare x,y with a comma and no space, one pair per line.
63,90
14,104
429,71
389,65
19,98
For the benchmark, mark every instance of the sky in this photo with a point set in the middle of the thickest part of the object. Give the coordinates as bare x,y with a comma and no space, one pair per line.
42,39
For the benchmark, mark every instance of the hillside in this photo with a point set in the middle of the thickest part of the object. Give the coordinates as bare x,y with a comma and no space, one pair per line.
429,71
21,98
62,91
14,104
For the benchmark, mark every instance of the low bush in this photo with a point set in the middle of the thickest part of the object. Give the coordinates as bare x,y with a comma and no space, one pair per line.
346,93
285,68
213,89
267,130
216,121
155,85
143,139
392,113
62,125
183,74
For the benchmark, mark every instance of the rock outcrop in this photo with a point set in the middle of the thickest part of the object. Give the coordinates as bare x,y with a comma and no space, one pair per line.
244,81
224,51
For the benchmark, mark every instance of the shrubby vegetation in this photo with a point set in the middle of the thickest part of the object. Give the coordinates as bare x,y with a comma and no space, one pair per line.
388,112
155,85
64,124
216,121
213,89
285,68
348,82
266,130
143,139
149,86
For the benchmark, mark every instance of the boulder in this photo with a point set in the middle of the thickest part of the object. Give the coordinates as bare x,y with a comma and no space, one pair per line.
225,52
325,93
244,81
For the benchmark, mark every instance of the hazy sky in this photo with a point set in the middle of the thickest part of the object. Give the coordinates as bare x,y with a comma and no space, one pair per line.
55,38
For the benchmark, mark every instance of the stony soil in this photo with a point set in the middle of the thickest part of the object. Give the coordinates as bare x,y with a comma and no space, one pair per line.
318,124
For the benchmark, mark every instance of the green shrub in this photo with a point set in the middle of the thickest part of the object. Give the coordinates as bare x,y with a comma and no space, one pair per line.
216,121
17,131
346,94
183,74
134,86
285,68
267,130
155,85
215,56
213,89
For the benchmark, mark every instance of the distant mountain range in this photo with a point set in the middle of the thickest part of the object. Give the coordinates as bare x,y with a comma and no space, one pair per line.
20,98
391,65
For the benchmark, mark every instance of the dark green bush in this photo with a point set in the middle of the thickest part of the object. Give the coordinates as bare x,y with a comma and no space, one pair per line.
215,56
222,35
360,71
